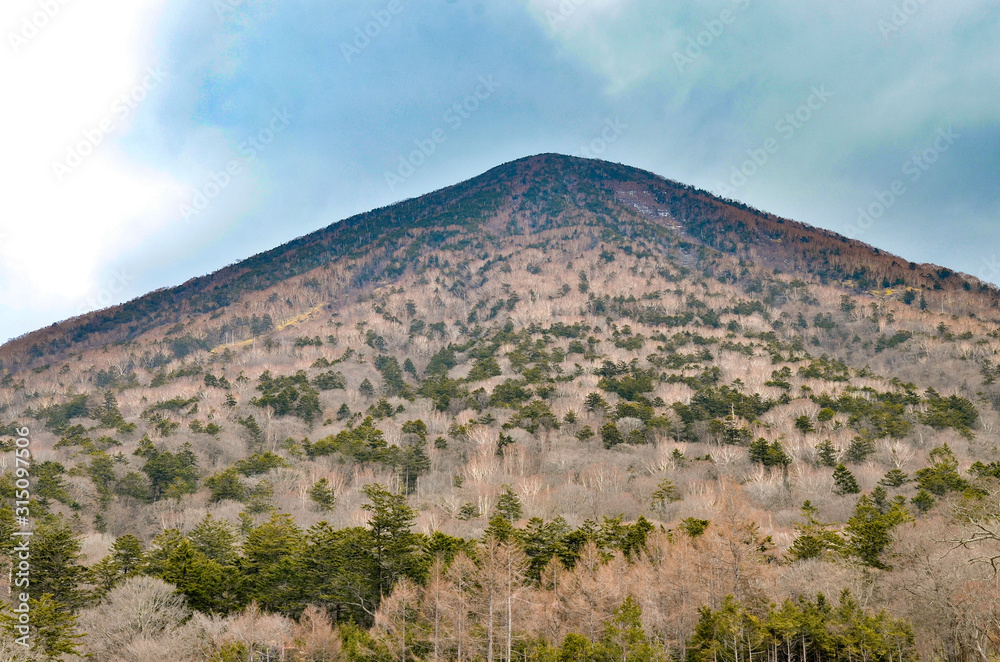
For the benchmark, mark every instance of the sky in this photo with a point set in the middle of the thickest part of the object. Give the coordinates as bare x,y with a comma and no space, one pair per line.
149,142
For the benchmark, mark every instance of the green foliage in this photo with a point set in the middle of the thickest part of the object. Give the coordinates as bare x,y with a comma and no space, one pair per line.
392,374
666,492
57,417
393,545
509,505
769,454
951,412
171,475
484,368
330,381
826,453
942,475
216,539
844,481
824,368
804,424
122,562
693,526
260,463
895,478
53,628
860,449
815,539
288,395
533,416
889,342
226,484
55,562
801,630
323,495
869,531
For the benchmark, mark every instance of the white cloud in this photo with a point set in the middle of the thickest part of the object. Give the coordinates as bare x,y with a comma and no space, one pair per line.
68,75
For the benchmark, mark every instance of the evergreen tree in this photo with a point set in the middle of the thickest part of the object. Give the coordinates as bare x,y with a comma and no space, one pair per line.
123,562
216,539
860,449
270,567
869,531
923,501
942,475
53,628
815,539
769,454
895,478
827,453
322,495
594,403
509,505
804,424
366,389
393,544
666,492
844,481
55,562
625,639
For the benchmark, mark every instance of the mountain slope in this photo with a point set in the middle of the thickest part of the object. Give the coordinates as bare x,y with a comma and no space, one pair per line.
536,193
612,392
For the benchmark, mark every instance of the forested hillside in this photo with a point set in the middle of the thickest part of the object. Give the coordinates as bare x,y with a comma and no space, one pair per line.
567,410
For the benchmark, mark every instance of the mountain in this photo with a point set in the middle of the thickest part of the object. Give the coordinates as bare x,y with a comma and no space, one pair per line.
531,195
650,418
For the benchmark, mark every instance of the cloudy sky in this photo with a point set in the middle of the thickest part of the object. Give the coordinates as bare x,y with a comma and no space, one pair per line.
149,142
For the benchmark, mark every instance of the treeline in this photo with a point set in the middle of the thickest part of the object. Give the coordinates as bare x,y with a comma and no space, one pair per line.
542,591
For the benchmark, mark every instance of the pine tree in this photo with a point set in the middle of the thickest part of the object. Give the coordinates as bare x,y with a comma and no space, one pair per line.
859,449
869,531
322,495
393,544
216,539
942,475
815,538
923,501
55,562
366,389
827,453
53,628
509,505
844,481
123,562
625,639
666,492
895,478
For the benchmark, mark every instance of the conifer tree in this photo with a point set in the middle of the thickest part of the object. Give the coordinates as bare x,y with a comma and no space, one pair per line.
844,481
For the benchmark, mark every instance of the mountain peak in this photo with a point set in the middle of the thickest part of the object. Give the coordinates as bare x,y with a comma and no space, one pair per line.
533,195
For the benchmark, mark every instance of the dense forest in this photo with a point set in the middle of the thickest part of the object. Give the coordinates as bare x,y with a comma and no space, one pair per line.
567,410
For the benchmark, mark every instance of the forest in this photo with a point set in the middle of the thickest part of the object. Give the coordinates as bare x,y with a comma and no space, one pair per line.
565,411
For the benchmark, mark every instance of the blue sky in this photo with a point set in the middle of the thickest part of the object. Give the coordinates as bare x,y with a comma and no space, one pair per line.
152,142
